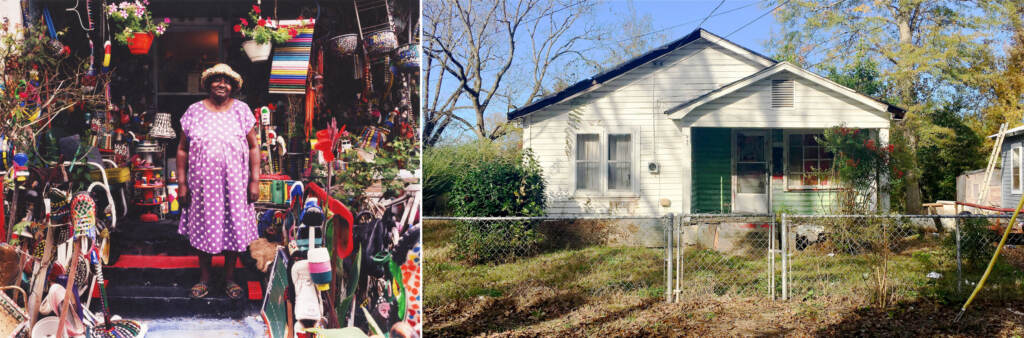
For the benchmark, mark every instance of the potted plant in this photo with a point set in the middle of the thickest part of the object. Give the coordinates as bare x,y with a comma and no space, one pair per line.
135,26
261,33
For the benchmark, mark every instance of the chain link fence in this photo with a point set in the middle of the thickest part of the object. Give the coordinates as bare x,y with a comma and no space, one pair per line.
592,256
884,259
869,259
720,254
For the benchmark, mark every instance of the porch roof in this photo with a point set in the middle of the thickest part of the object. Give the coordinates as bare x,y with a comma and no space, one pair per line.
596,81
679,111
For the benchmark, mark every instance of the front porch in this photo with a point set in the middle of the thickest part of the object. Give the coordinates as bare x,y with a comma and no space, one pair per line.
762,170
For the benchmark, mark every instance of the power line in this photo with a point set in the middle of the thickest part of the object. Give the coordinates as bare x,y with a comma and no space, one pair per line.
758,18
710,14
688,22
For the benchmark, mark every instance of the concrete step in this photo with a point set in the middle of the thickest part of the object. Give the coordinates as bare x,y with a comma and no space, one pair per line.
169,301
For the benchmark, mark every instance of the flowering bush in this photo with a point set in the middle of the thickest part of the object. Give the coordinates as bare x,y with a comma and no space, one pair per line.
261,30
860,161
134,17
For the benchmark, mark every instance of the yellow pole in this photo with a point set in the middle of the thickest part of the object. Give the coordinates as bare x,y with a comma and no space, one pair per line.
991,263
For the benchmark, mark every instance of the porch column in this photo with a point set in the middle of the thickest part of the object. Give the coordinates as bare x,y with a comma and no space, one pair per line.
883,179
686,157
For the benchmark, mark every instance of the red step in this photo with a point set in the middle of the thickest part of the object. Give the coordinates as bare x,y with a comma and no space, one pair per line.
165,262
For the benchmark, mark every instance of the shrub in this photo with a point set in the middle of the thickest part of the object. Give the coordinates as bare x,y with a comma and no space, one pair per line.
498,187
977,243
483,241
442,164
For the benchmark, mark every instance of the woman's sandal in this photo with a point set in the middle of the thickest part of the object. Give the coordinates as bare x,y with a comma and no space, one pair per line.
199,290
233,290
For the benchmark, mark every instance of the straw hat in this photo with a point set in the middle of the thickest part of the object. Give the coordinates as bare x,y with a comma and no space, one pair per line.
221,69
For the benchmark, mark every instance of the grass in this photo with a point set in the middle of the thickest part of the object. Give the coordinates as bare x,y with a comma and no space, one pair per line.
589,271
599,290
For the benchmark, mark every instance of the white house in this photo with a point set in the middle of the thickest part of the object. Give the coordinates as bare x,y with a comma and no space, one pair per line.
700,125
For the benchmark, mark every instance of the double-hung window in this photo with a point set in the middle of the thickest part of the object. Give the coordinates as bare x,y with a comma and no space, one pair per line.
604,162
808,163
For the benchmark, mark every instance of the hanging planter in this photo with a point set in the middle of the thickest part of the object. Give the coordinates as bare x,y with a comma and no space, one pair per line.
381,42
257,52
408,57
261,33
133,26
344,44
139,43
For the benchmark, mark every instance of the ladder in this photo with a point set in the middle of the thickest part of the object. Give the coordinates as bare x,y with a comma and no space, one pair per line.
372,16
993,158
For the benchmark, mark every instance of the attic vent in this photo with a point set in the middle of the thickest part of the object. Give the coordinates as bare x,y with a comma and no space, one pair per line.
782,93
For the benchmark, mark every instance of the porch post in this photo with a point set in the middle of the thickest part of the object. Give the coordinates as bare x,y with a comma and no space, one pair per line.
883,178
685,137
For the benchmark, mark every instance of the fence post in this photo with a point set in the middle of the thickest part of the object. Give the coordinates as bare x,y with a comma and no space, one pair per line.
678,257
959,270
771,258
785,259
668,256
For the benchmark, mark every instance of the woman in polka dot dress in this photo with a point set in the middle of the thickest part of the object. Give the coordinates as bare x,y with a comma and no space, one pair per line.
218,157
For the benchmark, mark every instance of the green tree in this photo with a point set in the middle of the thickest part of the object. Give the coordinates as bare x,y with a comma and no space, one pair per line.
1002,90
925,49
957,149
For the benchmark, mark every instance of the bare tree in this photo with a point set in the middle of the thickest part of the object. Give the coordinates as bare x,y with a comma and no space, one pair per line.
491,56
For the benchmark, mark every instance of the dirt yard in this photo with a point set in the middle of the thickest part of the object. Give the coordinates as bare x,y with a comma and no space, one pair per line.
619,292
568,316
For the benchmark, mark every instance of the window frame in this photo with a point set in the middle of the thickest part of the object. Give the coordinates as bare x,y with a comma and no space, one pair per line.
787,171
1019,172
634,159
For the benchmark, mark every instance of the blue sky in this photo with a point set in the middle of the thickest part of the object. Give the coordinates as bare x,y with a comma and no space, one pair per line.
681,17
672,20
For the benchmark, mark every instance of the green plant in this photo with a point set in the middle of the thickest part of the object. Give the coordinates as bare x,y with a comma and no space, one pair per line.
134,17
498,187
860,163
977,243
261,29
383,168
443,164
41,80
484,242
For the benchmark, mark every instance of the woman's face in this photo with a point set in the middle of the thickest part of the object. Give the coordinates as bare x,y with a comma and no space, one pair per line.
220,88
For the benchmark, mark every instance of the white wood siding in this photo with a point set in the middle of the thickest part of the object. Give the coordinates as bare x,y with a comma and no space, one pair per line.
815,107
635,101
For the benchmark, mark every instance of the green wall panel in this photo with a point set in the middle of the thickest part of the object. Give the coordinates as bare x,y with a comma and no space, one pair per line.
712,170
800,202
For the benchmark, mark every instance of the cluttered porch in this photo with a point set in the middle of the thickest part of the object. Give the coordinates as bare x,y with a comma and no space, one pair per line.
90,241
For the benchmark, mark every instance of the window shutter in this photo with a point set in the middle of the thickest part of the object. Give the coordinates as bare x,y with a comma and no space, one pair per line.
782,93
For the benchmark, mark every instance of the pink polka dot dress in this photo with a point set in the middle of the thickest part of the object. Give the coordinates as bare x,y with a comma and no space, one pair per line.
220,217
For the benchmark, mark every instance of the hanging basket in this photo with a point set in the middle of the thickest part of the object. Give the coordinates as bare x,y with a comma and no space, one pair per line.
344,45
139,43
257,52
381,42
409,57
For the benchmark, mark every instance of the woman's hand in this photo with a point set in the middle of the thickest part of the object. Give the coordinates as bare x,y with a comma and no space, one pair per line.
254,191
184,200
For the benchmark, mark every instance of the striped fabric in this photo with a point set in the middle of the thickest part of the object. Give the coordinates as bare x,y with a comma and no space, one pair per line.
291,63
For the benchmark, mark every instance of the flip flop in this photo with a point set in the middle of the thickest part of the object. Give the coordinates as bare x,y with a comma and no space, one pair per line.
233,290
199,290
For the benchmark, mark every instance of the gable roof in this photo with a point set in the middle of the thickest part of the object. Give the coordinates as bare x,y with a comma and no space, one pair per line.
682,109
595,81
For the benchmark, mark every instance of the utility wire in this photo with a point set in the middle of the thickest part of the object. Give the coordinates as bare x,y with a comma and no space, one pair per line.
758,18
688,22
710,14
